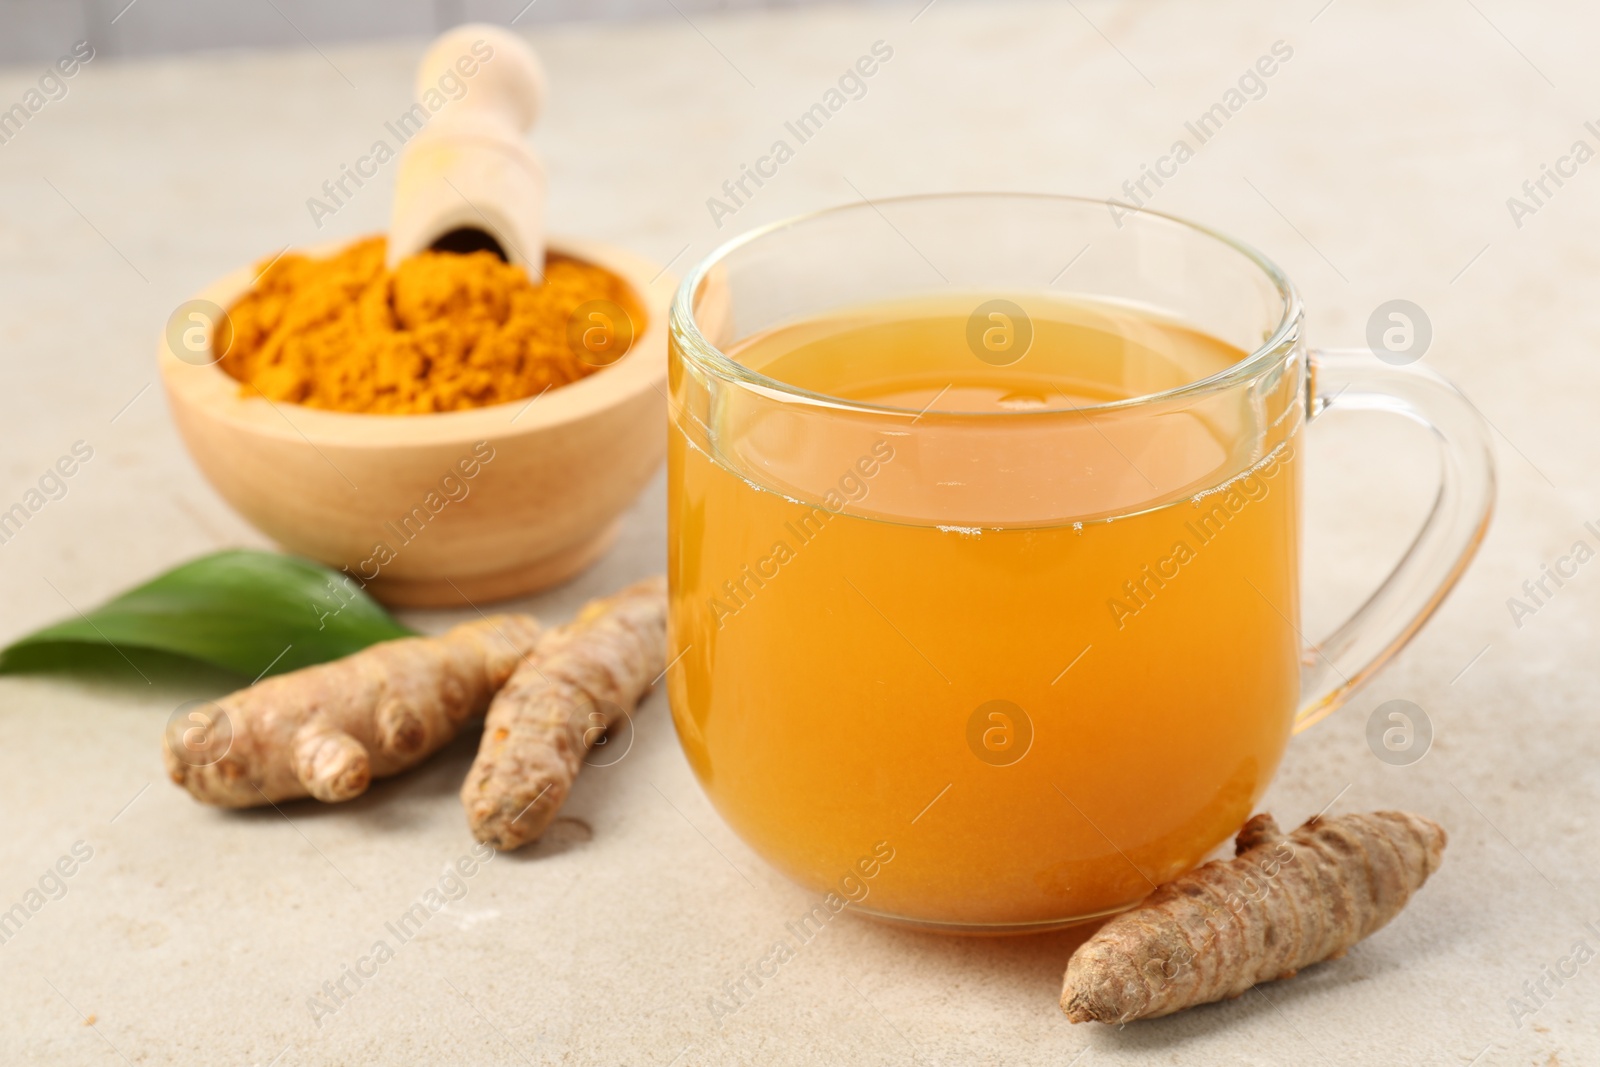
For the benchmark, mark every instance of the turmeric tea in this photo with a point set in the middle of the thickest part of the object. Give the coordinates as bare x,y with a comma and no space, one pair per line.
443,331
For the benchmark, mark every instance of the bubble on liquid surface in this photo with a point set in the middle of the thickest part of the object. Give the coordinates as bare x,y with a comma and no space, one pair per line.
1021,401
1269,459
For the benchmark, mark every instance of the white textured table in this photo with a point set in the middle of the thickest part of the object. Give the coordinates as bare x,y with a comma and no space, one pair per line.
1376,165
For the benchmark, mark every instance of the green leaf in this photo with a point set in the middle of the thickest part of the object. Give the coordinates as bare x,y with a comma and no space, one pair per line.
255,613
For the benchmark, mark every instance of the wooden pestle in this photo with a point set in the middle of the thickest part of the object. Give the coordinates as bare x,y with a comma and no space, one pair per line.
468,179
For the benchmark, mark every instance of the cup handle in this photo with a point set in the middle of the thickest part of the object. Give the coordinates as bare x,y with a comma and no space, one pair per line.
1354,380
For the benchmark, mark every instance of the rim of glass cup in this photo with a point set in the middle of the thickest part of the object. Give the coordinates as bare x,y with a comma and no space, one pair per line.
684,327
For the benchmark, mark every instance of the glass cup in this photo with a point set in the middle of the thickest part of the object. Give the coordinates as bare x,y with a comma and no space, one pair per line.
1006,670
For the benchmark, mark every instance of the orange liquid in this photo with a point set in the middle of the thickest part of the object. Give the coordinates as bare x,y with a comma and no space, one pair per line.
982,648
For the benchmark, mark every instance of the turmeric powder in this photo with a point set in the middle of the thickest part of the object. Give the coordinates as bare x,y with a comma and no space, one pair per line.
441,332
1284,902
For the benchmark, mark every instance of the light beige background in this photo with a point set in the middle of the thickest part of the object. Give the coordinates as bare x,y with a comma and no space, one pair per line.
1377,166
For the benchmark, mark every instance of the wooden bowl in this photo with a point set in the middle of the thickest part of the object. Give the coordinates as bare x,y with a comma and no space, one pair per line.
445,509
